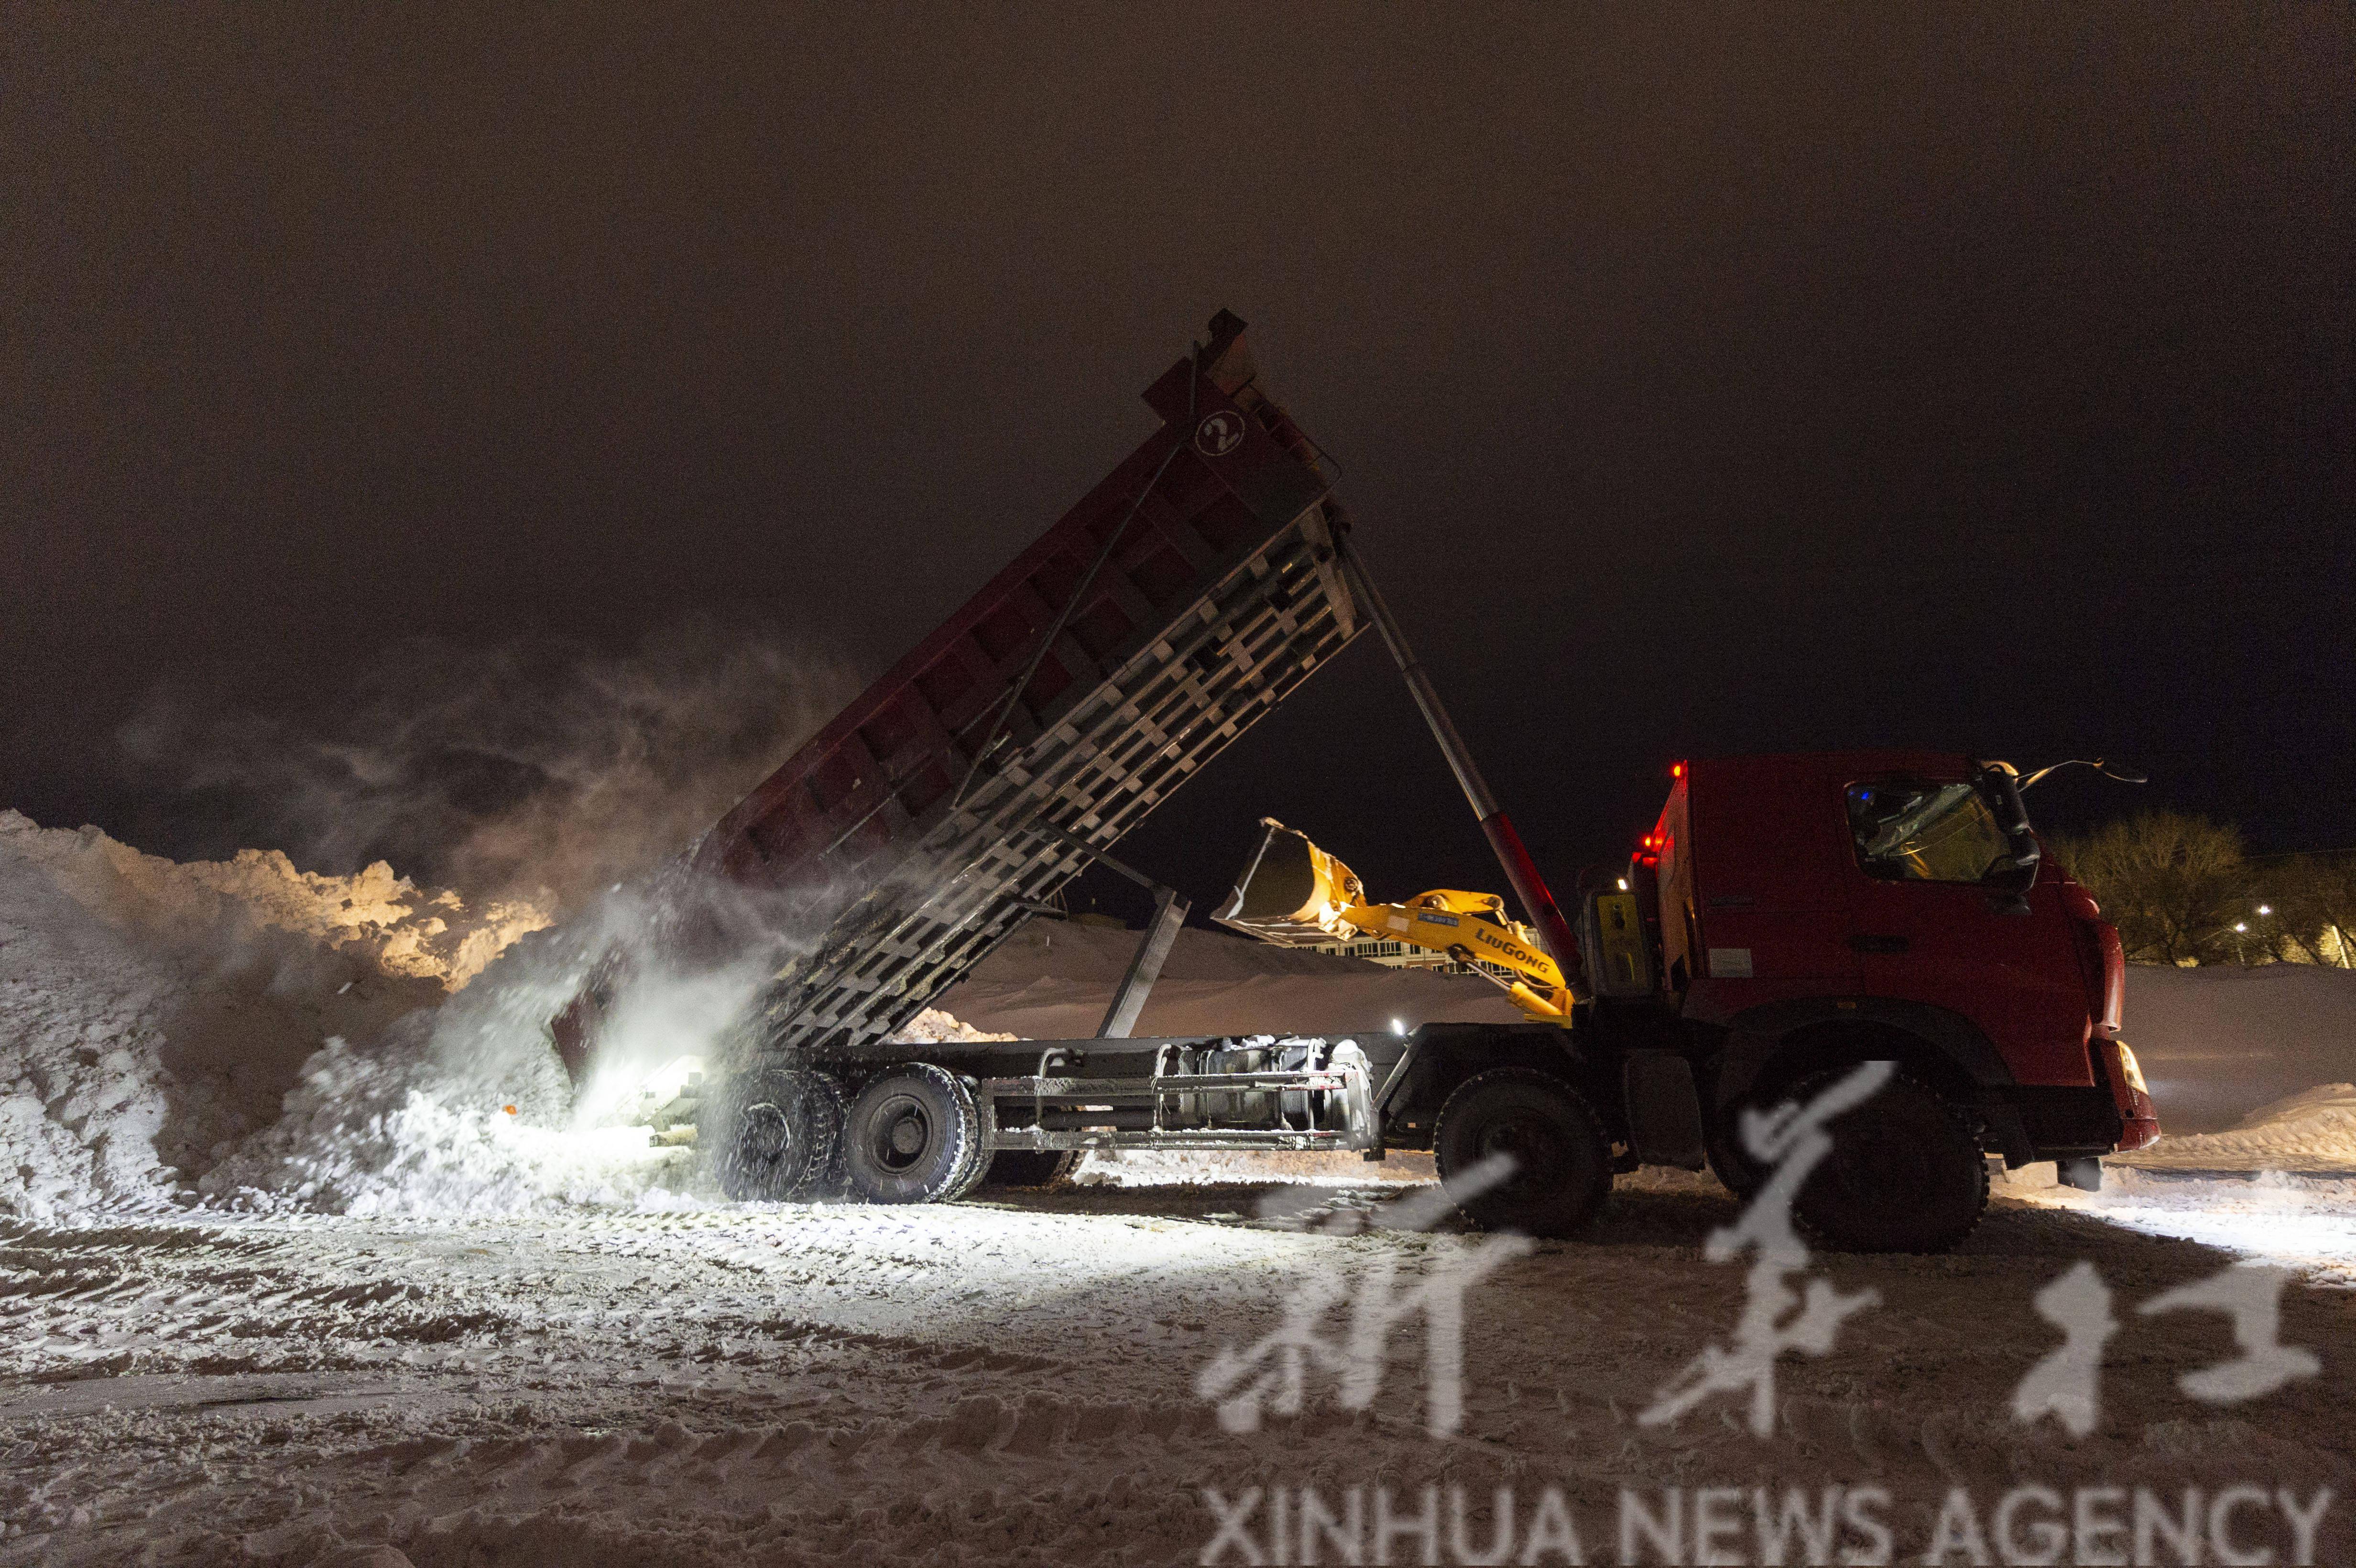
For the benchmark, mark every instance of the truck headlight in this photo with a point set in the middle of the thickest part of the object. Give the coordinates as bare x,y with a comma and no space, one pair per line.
2134,1070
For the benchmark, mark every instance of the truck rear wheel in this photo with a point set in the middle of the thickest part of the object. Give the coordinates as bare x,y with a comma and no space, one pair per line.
1905,1174
1030,1167
1562,1163
776,1135
913,1137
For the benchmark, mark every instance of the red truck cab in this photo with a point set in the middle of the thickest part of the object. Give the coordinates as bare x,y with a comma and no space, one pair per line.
1817,909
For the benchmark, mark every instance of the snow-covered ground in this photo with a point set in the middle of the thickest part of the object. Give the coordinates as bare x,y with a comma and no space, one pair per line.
2301,1222
304,1260
1007,1382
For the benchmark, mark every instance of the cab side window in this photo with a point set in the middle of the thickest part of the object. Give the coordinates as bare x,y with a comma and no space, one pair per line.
1920,830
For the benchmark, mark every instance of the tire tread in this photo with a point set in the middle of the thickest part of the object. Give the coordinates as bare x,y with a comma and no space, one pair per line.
1938,1241
1464,1101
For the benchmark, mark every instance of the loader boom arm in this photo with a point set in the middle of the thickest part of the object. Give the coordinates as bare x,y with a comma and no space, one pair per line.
1294,894
1470,927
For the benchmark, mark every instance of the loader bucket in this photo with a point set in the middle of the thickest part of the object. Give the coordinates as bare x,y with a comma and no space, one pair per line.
1291,893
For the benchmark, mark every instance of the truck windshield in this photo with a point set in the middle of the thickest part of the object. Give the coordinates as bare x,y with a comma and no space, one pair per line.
1919,830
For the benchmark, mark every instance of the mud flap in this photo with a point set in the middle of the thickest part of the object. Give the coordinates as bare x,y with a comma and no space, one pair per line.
2084,1173
1664,1109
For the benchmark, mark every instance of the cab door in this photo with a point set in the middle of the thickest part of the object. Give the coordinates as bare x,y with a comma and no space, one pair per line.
1764,882
1926,927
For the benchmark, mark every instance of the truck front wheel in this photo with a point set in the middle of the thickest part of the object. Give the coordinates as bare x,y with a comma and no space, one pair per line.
913,1137
1561,1169
1905,1174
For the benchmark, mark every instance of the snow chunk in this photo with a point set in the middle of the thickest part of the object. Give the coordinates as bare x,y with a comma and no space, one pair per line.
933,1026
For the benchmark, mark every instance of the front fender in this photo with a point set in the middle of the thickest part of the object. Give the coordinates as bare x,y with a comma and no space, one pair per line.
1757,1035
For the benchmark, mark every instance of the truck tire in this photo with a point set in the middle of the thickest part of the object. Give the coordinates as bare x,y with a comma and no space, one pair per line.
1563,1162
1905,1174
776,1135
1728,1160
913,1137
1030,1167
976,1163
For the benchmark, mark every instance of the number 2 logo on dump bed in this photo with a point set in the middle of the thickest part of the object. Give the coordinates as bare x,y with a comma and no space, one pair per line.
1219,434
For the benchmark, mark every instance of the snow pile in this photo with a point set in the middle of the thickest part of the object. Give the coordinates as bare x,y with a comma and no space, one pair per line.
380,918
465,1108
933,1026
397,1130
153,1016
2311,1131
82,1020
243,1033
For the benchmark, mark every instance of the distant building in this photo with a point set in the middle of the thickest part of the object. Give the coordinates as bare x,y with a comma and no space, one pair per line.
1393,954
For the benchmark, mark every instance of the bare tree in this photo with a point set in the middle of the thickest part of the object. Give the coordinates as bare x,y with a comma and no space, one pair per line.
2313,901
2174,885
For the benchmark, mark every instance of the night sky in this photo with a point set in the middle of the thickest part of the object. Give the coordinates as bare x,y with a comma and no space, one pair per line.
1746,380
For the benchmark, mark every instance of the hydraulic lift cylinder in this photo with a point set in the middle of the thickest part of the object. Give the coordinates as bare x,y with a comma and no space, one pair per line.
1521,872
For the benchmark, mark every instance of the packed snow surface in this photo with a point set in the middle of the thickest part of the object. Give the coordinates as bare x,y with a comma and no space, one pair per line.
1017,1382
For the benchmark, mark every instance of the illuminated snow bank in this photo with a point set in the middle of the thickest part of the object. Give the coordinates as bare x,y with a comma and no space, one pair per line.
394,1130
385,921
153,1016
2313,1131
240,1032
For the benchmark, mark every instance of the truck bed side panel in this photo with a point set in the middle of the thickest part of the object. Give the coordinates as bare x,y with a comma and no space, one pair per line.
898,860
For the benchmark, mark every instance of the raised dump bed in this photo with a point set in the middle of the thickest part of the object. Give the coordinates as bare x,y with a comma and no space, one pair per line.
1172,609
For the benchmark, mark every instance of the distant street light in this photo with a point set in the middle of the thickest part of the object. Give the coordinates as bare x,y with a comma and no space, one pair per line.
2265,909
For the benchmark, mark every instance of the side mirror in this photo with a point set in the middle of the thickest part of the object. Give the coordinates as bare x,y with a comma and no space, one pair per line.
2007,883
2012,874
2009,880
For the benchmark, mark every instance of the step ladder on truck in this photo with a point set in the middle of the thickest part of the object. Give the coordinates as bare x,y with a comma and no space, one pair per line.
1785,919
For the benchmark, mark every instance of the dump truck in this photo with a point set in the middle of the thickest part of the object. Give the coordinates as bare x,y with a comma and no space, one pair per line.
1784,919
